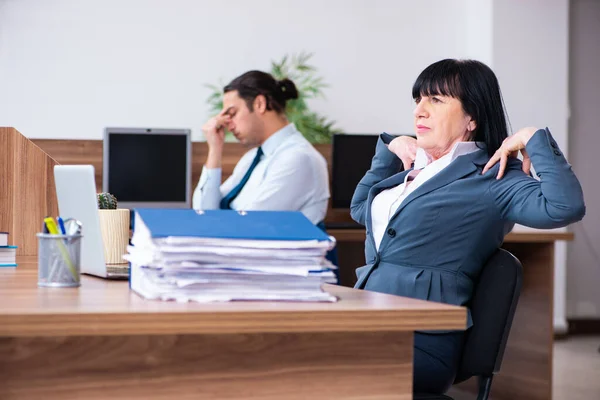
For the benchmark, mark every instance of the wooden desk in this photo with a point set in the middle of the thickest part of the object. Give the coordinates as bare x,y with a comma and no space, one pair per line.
527,367
102,341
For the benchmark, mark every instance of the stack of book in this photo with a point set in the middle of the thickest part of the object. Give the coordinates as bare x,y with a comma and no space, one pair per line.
226,255
8,254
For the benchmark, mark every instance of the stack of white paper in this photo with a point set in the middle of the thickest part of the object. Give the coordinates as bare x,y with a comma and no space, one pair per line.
215,269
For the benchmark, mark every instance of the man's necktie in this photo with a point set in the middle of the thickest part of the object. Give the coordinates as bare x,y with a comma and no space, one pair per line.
226,201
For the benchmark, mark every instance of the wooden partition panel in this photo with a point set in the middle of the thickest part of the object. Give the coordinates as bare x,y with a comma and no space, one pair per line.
27,191
71,152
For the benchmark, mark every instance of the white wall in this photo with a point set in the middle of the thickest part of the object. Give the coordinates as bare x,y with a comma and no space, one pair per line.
69,68
480,30
531,61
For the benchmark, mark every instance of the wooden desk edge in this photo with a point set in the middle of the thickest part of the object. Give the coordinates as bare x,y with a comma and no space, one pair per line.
173,323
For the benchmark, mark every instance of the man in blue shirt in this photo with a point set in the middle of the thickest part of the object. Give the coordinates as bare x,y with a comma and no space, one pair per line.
282,171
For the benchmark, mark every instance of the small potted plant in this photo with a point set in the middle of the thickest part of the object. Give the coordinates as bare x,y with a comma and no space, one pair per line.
114,224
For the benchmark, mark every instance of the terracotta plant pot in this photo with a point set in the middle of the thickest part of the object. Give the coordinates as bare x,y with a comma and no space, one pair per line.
114,225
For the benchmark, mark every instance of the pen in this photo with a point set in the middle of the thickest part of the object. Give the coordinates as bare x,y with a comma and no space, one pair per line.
52,228
44,226
61,225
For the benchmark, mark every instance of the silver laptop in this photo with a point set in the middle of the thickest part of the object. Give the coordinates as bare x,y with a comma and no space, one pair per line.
76,193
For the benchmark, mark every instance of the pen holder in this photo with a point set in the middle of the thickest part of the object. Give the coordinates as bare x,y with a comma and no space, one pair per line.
59,258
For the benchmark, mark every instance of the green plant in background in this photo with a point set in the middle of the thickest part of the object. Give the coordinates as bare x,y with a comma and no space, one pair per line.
314,127
107,201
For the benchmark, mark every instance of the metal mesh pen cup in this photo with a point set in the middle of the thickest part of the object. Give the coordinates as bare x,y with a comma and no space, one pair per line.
59,258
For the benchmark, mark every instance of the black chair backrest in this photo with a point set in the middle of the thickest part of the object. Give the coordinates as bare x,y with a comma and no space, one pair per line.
492,308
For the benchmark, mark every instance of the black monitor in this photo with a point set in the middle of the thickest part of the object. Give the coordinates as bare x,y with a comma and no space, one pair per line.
351,159
147,167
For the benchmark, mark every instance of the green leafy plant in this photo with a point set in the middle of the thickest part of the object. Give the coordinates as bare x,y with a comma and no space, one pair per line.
107,201
314,127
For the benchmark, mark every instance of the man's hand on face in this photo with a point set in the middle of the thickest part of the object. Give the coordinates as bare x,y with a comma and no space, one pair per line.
214,130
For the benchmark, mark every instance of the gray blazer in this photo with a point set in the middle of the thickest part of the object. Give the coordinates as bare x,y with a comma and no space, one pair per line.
442,234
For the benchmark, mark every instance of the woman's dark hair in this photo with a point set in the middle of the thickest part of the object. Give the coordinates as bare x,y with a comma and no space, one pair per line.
255,83
476,86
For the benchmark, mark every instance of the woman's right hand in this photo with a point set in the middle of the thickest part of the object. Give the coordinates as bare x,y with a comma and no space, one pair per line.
405,147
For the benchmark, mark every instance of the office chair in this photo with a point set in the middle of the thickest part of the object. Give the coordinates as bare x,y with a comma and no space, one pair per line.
492,307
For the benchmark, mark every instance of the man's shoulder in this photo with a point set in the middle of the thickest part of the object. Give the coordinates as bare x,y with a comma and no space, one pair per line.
299,155
297,147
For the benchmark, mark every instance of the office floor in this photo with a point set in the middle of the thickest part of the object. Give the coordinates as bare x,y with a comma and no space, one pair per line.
576,370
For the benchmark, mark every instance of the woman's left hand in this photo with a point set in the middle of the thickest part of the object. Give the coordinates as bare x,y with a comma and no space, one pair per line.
510,148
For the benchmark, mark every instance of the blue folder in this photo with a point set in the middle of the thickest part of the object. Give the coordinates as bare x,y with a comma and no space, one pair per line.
229,224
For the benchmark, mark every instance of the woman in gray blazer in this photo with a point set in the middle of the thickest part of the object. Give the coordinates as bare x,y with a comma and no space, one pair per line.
431,228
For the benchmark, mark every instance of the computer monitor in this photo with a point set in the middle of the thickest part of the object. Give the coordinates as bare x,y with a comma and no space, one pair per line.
351,159
147,167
